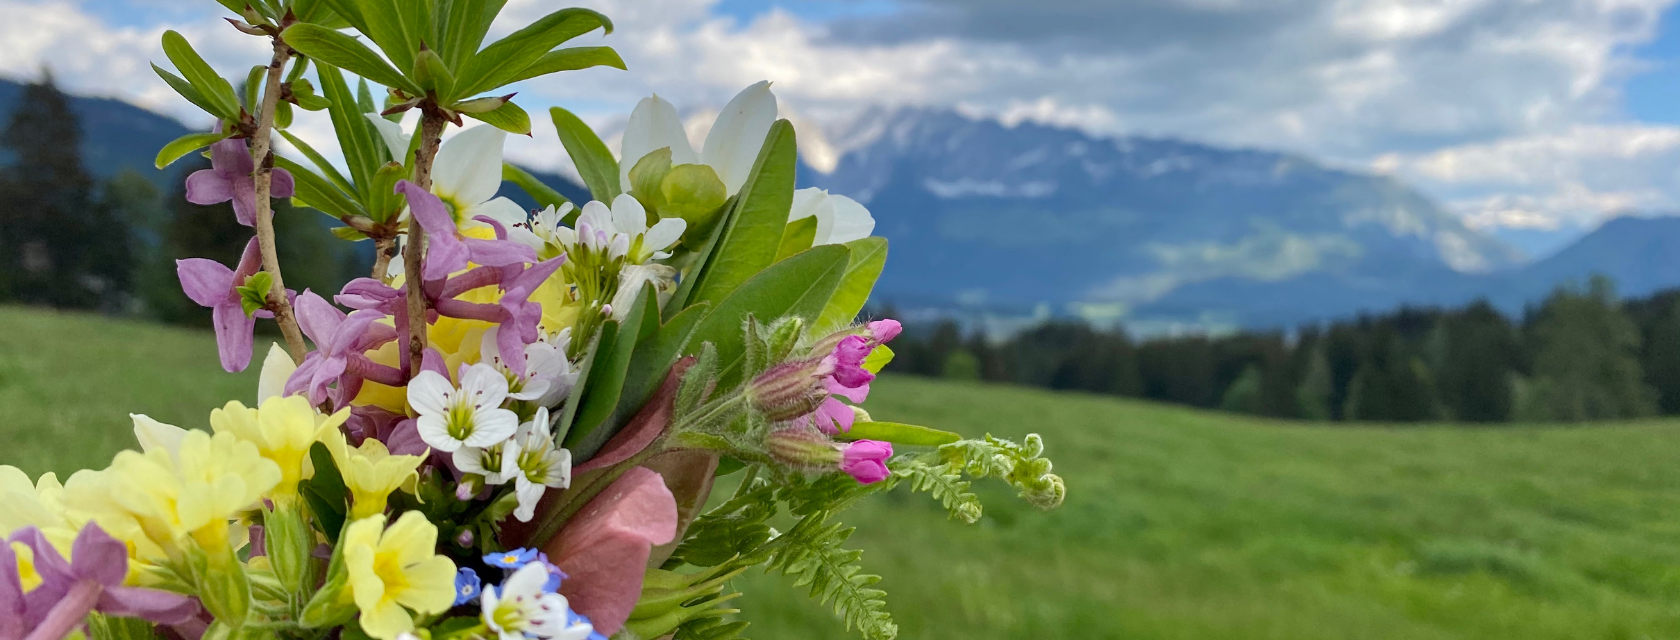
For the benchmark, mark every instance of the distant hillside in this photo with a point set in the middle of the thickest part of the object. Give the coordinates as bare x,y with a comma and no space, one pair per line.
115,134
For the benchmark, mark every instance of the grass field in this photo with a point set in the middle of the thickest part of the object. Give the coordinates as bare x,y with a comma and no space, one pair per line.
1179,523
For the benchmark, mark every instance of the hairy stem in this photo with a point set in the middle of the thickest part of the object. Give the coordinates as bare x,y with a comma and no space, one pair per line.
263,150
431,135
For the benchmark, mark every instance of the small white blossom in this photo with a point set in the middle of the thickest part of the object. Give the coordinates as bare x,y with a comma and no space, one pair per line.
540,464
470,416
523,611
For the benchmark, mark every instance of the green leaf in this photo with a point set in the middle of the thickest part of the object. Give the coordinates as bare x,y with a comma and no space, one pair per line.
185,89
878,358
320,162
898,434
253,87
184,145
337,49
355,134
432,74
694,193
384,203
346,233
545,195
509,117
869,257
603,336
212,87
645,177
653,360
504,60
798,237
799,286
590,430
463,27
571,59
594,161
325,492
753,231
385,24
253,295
317,193
703,250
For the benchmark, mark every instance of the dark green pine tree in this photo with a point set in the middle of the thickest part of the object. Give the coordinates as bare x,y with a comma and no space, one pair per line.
1658,318
1586,359
56,247
1475,355
1392,384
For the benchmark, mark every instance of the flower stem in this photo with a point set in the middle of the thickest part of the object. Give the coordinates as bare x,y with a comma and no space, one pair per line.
262,149
384,247
431,135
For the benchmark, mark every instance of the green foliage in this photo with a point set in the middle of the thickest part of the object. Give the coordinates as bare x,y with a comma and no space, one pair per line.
1243,396
184,145
961,364
591,429
797,287
325,493
594,161
209,90
1586,366
811,554
253,293
869,257
752,228
899,434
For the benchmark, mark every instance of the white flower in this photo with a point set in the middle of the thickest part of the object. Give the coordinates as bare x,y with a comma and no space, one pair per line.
839,219
548,374
492,462
523,611
630,281
540,464
466,174
731,146
471,416
622,230
544,231
157,435
277,368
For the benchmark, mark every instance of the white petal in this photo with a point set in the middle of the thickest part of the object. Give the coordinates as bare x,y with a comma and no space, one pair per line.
157,435
735,139
502,210
619,246
429,393
559,469
277,368
434,431
597,216
806,202
491,426
529,494
392,133
484,386
851,221
469,460
532,389
664,233
469,166
526,582
654,125
628,215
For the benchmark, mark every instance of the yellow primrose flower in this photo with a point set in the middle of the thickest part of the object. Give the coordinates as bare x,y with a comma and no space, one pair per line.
38,504
371,472
197,491
390,569
282,428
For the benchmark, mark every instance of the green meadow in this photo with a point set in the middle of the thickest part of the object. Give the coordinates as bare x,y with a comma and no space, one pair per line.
1178,524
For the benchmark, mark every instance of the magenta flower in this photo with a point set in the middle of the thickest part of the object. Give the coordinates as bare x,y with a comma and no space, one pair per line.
866,460
229,178
447,250
91,581
849,379
848,362
211,284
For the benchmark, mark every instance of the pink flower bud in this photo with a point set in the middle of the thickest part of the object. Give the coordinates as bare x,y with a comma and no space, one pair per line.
885,330
788,390
803,448
848,360
866,460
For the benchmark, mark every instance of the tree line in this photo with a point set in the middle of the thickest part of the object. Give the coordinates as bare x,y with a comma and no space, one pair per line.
70,240
1581,354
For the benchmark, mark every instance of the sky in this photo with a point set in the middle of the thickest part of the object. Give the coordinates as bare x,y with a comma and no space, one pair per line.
1532,119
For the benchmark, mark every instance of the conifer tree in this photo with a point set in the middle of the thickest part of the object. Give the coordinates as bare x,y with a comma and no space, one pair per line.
1586,359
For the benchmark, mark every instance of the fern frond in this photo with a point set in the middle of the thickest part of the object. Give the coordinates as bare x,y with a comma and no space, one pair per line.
945,484
811,554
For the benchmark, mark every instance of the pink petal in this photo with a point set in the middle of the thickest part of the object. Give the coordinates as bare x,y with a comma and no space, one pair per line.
209,186
151,604
233,335
97,556
250,262
498,253
244,200
281,184
318,318
206,281
444,254
604,550
11,594
233,156
651,421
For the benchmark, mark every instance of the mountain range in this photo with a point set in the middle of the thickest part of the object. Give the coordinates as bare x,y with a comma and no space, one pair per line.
1009,223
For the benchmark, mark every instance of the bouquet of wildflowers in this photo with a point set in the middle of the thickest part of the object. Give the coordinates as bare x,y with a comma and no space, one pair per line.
512,428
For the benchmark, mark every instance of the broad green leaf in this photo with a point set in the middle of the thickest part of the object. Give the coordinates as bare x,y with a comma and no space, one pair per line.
878,358
694,193
798,237
570,59
703,249
753,231
253,87
509,117
385,24
503,61
320,162
185,89
317,193
212,87
463,27
431,74
316,11
184,145
568,413
355,136
593,160
384,203
869,257
799,286
337,49
898,434
346,233
253,294
645,177
325,491
545,195
590,430
653,361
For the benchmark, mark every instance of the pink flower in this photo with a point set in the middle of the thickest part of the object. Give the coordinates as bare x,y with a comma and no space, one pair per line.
212,284
604,550
447,251
848,359
340,342
91,580
229,178
866,460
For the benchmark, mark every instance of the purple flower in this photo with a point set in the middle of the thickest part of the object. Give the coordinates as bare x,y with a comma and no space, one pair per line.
866,460
519,328
229,178
511,559
91,581
211,284
555,575
848,359
467,586
447,251
340,342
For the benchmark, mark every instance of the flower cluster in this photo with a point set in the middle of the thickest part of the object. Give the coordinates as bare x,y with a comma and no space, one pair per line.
516,413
